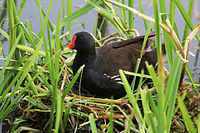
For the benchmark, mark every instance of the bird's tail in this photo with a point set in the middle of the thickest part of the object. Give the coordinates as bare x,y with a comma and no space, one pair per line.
154,51
151,56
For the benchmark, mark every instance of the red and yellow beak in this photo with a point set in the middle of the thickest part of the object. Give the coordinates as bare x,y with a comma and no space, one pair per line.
71,45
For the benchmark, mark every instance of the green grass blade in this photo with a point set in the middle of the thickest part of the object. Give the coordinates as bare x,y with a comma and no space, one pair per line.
32,84
186,29
63,8
110,16
131,17
172,12
21,76
186,16
152,103
132,98
23,2
12,31
167,38
67,112
46,17
29,38
8,76
78,13
92,123
123,12
56,72
58,111
57,49
148,115
72,81
157,27
186,117
141,54
172,88
159,88
111,117
191,78
10,55
69,12
34,102
142,11
46,83
4,34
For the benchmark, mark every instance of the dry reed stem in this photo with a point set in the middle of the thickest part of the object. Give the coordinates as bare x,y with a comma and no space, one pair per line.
114,116
139,14
186,50
175,38
189,39
63,35
96,40
64,79
87,107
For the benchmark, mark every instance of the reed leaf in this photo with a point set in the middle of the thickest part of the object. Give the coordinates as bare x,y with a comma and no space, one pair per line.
186,117
92,123
58,111
78,13
23,2
111,117
132,98
186,16
172,88
34,102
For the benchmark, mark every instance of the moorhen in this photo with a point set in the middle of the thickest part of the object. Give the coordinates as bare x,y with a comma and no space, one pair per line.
101,73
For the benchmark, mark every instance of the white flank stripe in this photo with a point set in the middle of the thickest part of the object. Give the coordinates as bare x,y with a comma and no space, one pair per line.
120,83
106,75
118,79
116,76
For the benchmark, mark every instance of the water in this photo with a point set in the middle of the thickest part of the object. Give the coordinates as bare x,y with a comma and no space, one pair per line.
30,12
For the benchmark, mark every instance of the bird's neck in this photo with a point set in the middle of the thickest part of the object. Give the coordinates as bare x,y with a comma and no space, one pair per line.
83,58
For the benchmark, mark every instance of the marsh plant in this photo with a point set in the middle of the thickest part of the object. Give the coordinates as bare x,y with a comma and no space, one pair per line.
36,86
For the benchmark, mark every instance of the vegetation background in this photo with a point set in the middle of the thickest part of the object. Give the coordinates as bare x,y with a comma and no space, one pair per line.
38,84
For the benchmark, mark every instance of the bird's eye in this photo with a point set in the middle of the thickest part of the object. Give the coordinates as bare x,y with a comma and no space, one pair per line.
80,38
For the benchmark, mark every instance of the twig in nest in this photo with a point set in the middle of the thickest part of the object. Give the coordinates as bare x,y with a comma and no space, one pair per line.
65,75
99,100
114,116
64,78
87,107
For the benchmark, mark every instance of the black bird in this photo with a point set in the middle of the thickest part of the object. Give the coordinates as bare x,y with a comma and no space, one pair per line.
101,73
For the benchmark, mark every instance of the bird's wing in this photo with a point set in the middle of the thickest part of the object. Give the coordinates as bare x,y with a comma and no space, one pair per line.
121,55
137,42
